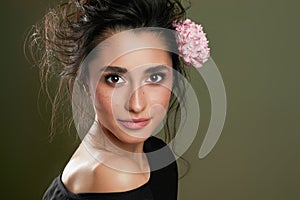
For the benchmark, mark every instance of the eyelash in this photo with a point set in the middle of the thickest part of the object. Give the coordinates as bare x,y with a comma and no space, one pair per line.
111,75
162,77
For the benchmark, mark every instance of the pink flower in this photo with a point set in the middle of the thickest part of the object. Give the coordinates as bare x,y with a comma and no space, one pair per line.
192,43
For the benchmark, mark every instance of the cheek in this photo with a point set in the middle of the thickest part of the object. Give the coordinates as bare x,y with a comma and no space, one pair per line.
102,102
159,100
108,101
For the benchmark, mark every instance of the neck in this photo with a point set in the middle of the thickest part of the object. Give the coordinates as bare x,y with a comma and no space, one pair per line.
101,138
121,147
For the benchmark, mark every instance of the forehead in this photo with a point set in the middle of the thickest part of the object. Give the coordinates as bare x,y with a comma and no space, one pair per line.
130,49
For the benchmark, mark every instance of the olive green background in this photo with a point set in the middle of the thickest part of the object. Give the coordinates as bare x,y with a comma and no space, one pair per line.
256,47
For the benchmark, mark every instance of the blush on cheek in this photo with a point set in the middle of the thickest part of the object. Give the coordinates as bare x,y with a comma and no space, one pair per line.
161,96
158,110
102,102
160,103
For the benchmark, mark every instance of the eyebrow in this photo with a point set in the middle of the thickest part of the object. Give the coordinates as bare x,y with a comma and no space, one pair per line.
124,70
114,69
156,69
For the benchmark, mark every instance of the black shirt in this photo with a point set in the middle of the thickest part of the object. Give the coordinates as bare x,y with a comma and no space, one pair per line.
162,185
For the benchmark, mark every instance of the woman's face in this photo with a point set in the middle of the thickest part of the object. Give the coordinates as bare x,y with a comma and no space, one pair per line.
130,83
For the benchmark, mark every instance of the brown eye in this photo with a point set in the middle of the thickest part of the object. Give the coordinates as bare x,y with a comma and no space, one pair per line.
156,78
114,79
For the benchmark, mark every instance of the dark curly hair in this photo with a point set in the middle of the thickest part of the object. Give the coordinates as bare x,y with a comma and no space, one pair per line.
68,33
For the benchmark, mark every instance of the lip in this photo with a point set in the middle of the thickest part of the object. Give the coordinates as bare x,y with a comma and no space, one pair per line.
134,124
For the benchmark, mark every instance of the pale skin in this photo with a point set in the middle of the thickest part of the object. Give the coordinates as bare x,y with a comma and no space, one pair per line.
130,94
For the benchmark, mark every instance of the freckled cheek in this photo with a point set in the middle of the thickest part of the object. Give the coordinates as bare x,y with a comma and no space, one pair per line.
103,103
159,100
106,101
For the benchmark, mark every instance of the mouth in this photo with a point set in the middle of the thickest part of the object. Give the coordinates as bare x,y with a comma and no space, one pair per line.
135,123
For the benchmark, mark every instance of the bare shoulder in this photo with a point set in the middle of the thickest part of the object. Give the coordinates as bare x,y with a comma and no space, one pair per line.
114,175
121,174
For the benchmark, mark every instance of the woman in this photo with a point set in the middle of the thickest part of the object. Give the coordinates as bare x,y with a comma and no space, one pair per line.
119,61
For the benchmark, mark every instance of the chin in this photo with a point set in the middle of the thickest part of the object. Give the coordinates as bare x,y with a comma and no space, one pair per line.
133,138
127,137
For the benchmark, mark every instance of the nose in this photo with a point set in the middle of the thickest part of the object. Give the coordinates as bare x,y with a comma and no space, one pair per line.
137,101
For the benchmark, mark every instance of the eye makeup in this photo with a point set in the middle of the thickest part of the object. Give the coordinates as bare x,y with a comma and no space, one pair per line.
114,75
